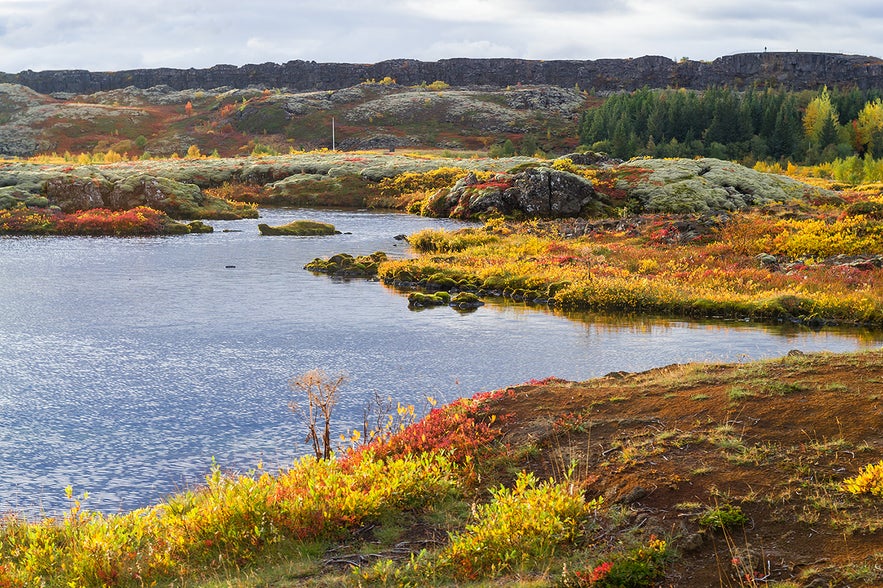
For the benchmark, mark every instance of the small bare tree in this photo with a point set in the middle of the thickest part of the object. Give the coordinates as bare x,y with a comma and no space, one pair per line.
321,395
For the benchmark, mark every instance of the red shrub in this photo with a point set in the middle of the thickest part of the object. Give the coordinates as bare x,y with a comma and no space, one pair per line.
460,429
141,220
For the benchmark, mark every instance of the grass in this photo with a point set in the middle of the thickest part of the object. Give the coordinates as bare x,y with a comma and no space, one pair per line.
737,393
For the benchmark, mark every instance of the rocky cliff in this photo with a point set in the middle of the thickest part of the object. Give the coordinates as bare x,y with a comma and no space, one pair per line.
790,70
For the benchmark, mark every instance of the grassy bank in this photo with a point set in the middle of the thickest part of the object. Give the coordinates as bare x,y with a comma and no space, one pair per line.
701,474
769,264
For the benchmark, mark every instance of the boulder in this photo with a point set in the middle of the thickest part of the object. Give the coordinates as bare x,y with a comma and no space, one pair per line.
534,192
548,192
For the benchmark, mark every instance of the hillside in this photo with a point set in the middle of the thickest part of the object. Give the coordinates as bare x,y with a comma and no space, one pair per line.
161,121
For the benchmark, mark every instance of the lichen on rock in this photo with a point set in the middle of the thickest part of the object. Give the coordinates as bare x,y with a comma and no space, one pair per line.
707,185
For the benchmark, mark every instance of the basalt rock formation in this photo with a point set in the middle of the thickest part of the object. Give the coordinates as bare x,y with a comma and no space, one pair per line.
795,71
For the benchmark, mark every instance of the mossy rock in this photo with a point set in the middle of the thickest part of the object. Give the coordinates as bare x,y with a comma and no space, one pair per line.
345,265
705,186
556,287
11,197
37,202
299,228
341,259
175,228
494,283
466,301
421,300
440,281
401,276
319,190
200,227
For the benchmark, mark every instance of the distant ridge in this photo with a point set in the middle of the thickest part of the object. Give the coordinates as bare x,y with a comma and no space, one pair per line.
795,71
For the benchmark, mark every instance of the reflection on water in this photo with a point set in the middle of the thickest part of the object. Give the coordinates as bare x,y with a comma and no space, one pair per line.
127,364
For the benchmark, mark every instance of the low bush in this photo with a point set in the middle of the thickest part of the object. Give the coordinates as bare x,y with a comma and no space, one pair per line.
518,528
868,481
460,430
638,567
725,516
139,221
230,520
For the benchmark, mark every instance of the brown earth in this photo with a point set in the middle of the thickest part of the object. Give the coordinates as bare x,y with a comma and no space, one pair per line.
775,438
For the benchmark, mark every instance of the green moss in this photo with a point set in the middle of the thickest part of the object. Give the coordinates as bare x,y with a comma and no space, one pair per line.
725,516
300,228
421,300
345,265
440,281
705,185
465,300
200,227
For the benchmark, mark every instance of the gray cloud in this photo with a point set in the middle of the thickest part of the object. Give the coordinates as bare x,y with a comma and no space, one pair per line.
98,35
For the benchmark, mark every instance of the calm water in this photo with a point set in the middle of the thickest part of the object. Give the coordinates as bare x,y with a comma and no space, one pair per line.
126,365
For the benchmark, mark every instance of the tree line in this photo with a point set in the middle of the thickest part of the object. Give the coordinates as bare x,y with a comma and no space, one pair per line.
755,125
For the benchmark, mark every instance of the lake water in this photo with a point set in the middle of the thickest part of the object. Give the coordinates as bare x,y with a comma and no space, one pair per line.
126,365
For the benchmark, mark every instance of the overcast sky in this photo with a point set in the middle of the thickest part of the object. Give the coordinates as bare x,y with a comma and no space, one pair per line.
125,34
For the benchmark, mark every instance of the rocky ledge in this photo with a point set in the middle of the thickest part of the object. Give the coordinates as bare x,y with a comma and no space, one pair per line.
796,71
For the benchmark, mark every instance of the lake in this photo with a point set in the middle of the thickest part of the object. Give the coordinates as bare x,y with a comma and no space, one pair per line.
127,365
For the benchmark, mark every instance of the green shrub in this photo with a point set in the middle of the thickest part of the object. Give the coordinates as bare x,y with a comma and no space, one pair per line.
640,567
723,517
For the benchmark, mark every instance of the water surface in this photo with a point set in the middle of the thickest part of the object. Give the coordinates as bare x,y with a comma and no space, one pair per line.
126,365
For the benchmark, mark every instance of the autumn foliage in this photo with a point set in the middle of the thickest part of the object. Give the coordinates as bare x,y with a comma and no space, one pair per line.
141,220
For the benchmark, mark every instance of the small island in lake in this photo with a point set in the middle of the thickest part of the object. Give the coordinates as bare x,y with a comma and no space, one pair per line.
299,228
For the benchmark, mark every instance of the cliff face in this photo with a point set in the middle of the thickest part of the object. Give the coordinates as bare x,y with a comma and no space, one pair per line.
794,71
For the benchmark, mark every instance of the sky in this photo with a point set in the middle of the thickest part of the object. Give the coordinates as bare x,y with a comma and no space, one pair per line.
113,35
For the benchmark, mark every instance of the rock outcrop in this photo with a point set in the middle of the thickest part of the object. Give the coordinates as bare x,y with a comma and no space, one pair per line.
796,71
701,186
534,192
547,192
71,192
707,186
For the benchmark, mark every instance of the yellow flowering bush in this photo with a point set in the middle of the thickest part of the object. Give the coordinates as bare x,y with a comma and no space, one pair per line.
868,481
819,238
522,525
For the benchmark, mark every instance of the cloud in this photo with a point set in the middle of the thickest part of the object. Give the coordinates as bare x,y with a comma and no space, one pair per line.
101,35
465,48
